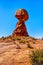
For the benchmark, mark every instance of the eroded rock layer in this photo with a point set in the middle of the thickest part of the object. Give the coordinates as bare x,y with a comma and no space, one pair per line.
22,16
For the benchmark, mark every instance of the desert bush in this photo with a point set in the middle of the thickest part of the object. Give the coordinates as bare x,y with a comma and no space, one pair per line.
36,57
33,42
33,38
41,38
27,41
22,41
13,39
29,46
3,38
16,38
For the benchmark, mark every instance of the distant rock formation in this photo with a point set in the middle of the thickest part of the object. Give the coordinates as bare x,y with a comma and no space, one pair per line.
22,16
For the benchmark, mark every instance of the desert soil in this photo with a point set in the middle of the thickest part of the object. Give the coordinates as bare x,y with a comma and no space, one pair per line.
11,55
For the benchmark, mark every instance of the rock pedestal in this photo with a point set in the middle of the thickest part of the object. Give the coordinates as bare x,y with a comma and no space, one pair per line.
21,30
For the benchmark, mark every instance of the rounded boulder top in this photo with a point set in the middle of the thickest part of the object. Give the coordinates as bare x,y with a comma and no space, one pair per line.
22,15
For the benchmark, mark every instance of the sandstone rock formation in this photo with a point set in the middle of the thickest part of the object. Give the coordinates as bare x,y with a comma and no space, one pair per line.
22,16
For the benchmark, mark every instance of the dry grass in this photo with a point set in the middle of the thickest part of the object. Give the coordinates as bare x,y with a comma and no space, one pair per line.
37,57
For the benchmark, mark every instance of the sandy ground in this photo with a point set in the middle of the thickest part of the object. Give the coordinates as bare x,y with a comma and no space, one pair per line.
10,55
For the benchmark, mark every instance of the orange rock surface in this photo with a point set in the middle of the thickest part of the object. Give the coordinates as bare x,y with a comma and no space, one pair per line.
22,16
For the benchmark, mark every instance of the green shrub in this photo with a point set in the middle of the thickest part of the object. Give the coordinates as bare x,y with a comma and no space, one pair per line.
3,38
29,46
13,39
36,57
22,41
27,41
33,42
16,38
33,38
42,39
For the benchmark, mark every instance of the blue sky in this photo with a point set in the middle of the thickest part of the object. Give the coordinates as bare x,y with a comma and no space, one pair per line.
8,22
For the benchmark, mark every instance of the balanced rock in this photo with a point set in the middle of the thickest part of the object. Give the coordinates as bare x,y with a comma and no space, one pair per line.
22,16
